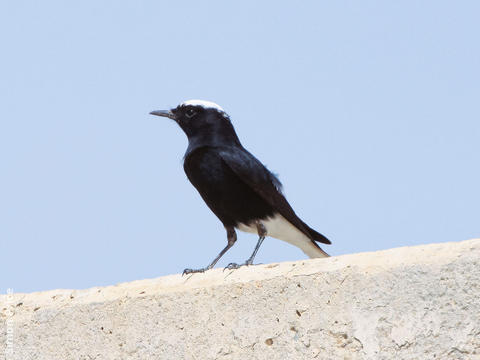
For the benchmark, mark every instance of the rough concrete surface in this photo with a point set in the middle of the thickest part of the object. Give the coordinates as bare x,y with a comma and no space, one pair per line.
418,302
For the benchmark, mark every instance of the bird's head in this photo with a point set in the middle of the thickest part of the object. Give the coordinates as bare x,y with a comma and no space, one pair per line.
204,123
200,118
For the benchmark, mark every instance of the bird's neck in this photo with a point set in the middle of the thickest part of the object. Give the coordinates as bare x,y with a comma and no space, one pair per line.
215,139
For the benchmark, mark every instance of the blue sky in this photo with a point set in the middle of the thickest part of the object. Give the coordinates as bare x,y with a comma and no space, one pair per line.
368,111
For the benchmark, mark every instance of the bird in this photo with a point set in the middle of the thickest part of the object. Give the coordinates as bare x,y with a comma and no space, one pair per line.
235,185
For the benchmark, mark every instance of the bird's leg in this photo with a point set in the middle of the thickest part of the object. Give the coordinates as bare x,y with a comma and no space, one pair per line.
231,237
262,232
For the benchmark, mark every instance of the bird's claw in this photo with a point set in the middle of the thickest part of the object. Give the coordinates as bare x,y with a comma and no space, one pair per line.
232,266
192,271
235,266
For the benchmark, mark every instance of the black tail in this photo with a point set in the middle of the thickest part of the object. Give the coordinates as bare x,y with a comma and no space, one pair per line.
318,237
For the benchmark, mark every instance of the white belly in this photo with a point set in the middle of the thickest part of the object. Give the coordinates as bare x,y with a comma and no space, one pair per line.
280,228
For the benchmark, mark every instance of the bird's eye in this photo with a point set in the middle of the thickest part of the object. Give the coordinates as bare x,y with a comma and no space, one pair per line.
190,113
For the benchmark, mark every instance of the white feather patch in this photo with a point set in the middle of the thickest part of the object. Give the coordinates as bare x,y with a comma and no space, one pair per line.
280,228
203,103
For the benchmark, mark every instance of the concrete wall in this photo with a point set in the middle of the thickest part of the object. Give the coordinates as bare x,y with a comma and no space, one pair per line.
409,303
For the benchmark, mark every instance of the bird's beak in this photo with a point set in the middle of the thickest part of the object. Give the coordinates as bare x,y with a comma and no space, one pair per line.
165,113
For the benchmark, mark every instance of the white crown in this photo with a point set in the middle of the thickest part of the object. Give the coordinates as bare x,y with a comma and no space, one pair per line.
204,104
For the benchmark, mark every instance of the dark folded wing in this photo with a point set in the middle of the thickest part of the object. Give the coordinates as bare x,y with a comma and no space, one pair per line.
253,173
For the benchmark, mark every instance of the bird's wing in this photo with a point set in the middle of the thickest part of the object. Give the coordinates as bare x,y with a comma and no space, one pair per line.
253,173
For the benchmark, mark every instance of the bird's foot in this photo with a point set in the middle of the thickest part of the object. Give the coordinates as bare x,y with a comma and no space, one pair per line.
234,266
193,271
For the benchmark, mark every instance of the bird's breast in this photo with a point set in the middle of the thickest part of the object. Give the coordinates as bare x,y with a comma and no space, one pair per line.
226,194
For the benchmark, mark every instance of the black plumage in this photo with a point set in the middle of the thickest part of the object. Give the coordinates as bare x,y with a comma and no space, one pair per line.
236,186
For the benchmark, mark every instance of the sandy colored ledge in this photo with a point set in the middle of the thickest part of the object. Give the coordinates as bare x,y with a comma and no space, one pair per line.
419,302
